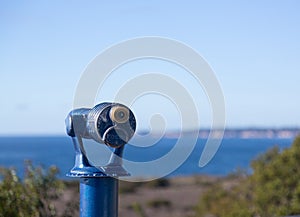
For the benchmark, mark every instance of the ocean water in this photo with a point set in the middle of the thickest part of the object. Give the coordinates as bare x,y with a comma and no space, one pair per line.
233,154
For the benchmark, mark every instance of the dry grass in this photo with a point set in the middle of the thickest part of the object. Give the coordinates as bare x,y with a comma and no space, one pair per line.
161,198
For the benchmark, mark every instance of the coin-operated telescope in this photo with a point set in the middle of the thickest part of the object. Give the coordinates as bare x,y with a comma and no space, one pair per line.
111,124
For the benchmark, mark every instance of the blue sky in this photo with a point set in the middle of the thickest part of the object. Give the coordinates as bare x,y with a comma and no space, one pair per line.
253,47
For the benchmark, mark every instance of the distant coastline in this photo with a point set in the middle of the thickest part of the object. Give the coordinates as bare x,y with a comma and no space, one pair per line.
229,133
245,133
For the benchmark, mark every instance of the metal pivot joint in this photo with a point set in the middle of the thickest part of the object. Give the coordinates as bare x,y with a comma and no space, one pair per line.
112,124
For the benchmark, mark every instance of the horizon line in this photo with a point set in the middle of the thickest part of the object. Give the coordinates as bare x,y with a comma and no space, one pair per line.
171,131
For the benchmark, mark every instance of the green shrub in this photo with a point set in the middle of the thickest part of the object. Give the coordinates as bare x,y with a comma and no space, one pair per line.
276,181
31,197
220,201
272,190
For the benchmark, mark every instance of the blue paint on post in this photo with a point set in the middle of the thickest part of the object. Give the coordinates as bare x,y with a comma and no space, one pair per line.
98,188
98,197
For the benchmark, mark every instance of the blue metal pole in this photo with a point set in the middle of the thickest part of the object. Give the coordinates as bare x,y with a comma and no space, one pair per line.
110,123
98,197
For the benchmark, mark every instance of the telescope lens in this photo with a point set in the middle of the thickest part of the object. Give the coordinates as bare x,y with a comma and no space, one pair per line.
119,114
